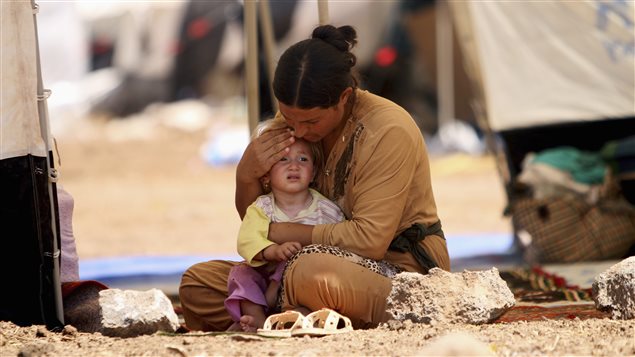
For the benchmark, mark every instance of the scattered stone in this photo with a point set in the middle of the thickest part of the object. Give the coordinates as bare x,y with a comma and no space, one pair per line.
456,344
69,330
614,290
473,297
394,325
41,332
129,313
177,350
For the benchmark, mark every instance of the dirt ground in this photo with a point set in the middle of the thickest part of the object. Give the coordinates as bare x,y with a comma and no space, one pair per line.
142,189
543,338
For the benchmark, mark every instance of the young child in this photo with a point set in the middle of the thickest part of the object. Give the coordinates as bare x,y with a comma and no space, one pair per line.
253,285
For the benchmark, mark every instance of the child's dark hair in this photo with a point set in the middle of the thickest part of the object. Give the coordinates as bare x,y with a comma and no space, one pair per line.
313,73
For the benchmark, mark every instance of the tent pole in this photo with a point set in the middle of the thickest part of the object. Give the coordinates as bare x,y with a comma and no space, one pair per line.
323,12
445,65
45,130
251,63
269,44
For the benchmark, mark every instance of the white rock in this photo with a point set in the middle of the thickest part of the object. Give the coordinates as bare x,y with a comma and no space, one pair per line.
128,313
614,290
473,297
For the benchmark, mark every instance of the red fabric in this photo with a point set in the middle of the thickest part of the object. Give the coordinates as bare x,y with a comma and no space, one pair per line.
70,287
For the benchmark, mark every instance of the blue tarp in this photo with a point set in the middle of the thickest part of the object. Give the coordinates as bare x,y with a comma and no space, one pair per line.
128,267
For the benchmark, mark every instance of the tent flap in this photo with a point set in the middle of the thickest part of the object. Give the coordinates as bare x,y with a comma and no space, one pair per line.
20,134
546,62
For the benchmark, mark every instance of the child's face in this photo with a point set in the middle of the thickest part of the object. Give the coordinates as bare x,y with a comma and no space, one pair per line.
294,172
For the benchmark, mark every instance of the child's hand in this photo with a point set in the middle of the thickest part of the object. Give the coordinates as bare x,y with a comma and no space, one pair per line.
280,252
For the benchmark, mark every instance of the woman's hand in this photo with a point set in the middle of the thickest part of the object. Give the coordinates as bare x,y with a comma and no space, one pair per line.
262,153
257,160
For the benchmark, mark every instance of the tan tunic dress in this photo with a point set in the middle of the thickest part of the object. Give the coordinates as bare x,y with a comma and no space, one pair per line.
379,175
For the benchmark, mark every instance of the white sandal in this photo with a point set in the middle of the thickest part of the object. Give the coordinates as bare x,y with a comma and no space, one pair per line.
323,322
281,325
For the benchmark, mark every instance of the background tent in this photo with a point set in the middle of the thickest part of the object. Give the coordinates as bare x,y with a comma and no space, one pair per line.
549,73
557,75
31,292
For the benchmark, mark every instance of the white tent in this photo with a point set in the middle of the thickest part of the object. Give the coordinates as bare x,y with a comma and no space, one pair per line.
28,207
550,73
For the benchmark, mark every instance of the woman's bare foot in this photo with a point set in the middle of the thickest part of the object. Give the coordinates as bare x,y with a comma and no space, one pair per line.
251,323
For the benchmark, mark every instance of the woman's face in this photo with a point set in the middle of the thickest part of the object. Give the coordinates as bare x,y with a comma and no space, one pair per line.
295,171
316,123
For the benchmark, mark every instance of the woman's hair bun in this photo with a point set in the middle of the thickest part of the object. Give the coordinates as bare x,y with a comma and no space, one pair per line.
344,38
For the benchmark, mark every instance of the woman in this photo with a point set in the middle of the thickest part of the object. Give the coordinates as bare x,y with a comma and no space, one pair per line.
376,170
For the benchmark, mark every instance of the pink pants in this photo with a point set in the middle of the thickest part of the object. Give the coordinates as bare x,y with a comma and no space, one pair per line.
245,282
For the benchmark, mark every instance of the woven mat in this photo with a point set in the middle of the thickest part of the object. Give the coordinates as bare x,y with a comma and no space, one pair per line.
541,295
537,285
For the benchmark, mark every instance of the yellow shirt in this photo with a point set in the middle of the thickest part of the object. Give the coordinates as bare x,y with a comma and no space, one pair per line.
252,236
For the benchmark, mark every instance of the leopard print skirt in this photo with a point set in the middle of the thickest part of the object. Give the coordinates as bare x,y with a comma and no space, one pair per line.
381,267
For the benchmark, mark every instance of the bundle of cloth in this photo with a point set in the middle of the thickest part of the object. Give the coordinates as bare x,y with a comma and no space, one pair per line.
564,171
620,156
577,207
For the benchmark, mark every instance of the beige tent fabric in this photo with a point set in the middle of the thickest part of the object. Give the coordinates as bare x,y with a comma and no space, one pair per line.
546,62
20,132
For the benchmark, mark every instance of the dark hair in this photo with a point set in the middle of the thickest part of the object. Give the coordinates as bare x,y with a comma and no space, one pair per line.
314,72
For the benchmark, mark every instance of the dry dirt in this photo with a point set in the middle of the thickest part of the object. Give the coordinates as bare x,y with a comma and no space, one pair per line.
142,189
553,338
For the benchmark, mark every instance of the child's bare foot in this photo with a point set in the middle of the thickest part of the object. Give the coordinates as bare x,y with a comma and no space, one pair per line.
235,327
250,323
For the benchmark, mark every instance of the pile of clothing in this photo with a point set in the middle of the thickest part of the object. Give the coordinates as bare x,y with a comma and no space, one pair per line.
577,205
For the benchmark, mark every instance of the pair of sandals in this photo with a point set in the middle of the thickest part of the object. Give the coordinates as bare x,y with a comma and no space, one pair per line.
318,323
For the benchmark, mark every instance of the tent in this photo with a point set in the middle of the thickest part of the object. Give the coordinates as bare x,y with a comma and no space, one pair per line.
31,292
555,75
549,73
